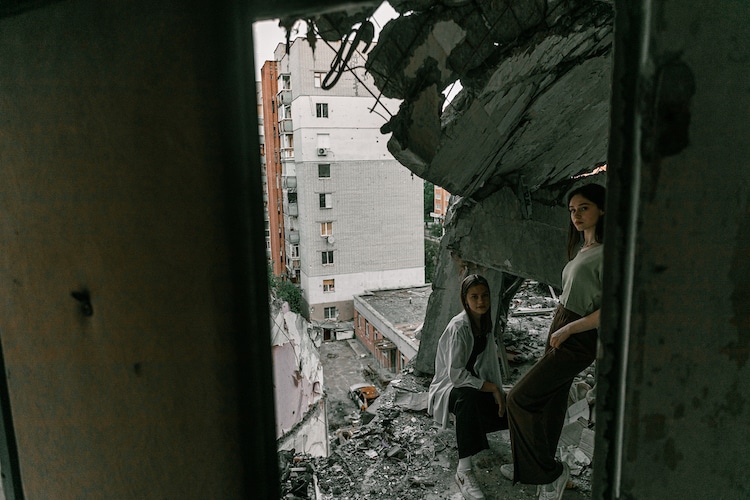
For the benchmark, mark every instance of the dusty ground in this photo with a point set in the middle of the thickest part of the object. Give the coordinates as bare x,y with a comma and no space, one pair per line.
393,452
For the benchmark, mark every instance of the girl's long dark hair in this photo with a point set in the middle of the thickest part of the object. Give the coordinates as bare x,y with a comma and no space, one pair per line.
485,322
596,194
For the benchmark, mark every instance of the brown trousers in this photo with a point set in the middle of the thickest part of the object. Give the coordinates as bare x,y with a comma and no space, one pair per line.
538,402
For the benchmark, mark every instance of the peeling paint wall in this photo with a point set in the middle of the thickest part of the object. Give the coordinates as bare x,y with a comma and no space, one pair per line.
298,385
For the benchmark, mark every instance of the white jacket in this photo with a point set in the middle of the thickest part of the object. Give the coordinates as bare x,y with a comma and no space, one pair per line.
453,351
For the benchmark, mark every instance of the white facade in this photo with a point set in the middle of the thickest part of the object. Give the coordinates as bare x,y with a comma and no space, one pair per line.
358,212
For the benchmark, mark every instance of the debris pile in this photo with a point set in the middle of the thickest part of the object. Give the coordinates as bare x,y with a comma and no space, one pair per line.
394,450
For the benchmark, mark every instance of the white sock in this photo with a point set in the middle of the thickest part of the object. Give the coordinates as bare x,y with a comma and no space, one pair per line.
464,464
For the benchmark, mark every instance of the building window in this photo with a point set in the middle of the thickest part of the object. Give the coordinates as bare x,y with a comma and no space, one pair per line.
294,251
359,320
318,79
321,110
327,257
438,195
367,330
329,313
328,286
324,170
326,200
326,228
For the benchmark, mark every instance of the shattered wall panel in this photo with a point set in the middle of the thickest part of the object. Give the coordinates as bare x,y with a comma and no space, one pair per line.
298,383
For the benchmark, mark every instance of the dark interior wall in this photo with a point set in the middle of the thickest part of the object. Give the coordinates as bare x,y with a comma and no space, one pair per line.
114,171
676,313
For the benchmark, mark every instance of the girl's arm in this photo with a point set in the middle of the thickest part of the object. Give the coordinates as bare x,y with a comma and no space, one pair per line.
580,325
497,393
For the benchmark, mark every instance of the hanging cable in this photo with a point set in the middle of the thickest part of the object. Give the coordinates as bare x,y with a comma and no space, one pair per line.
365,33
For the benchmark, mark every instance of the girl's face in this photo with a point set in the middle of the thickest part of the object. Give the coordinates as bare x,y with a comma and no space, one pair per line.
478,300
584,213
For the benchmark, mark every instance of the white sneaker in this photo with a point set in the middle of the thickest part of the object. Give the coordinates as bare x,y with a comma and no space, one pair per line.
507,471
554,490
468,485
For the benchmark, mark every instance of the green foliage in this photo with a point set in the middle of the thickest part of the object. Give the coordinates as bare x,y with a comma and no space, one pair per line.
289,292
431,251
429,199
285,290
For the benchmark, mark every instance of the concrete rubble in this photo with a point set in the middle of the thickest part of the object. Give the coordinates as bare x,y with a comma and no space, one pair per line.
393,450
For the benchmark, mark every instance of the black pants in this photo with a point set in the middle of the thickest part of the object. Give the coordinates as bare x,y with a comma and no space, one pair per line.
476,415
538,402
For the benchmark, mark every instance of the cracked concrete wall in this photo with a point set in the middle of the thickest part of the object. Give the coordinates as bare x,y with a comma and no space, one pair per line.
532,114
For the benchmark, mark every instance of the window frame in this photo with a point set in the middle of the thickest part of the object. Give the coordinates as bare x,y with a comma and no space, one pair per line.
321,110
326,257
326,228
330,309
319,171
329,285
325,200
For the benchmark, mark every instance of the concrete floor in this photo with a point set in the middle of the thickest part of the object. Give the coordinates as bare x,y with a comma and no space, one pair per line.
344,363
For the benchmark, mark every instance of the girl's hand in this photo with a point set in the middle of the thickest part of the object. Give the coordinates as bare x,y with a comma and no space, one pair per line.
560,336
500,400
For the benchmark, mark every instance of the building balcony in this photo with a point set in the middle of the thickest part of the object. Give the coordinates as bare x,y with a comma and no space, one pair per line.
286,126
293,264
292,209
293,237
287,154
289,182
285,97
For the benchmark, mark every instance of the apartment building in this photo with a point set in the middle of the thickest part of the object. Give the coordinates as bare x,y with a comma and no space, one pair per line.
352,215
439,204
273,195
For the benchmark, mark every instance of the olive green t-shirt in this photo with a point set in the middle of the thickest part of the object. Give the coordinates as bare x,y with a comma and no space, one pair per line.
582,282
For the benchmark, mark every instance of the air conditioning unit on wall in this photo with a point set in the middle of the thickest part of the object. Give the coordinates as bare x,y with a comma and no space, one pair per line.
322,151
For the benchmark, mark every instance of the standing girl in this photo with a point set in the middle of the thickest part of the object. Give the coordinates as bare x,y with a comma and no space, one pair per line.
468,382
538,402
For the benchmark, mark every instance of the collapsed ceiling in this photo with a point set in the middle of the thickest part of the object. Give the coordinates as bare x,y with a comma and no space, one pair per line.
531,119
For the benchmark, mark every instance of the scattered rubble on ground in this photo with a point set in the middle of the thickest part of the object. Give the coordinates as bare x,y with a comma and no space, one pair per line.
393,449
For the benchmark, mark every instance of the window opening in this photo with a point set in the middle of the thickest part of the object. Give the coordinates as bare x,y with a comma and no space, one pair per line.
326,200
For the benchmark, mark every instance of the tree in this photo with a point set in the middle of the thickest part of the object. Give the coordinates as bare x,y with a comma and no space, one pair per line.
289,292
285,291
431,250
429,200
